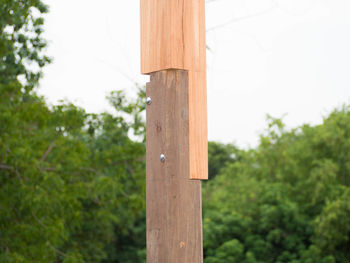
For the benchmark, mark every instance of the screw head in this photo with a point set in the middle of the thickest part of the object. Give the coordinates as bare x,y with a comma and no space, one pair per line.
148,100
162,158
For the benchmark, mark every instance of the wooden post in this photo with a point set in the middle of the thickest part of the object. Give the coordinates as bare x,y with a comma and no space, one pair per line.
173,54
174,211
173,37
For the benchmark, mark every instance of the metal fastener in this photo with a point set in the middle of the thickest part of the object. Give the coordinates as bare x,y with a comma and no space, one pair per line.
162,158
148,100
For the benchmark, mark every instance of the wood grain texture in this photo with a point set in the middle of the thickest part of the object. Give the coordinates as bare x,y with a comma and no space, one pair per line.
173,37
198,131
173,201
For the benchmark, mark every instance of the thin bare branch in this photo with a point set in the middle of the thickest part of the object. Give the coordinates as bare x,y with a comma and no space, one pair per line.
5,167
237,19
57,251
52,144
38,220
210,1
10,168
50,169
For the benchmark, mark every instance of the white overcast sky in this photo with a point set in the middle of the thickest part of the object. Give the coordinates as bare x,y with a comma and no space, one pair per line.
266,57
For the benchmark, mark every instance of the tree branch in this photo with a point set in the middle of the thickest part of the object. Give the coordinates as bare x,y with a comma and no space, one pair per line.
57,251
48,150
10,168
237,19
5,167
38,220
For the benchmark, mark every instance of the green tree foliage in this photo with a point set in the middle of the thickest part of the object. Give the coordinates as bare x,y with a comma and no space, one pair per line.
219,155
21,44
72,184
285,201
68,179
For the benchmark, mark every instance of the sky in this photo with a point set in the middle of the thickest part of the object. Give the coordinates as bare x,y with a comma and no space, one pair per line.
285,58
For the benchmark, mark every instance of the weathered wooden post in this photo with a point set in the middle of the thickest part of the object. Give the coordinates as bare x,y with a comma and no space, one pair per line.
173,54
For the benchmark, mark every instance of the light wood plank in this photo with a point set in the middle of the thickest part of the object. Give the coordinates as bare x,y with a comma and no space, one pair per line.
173,37
173,201
198,132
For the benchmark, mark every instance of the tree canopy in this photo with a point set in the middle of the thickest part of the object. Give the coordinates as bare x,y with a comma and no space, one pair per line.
72,183
285,201
21,44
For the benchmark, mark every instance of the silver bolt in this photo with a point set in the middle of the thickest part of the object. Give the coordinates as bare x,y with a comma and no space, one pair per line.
148,100
162,158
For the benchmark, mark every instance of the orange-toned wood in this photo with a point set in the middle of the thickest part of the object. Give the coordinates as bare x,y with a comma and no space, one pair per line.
173,37
198,132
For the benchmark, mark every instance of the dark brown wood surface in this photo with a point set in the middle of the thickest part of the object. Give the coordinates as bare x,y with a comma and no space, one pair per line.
174,205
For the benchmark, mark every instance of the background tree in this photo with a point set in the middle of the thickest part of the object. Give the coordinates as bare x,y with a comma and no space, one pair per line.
21,44
72,183
219,156
285,201
68,180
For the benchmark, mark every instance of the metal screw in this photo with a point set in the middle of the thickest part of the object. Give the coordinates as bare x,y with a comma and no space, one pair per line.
148,100
162,158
